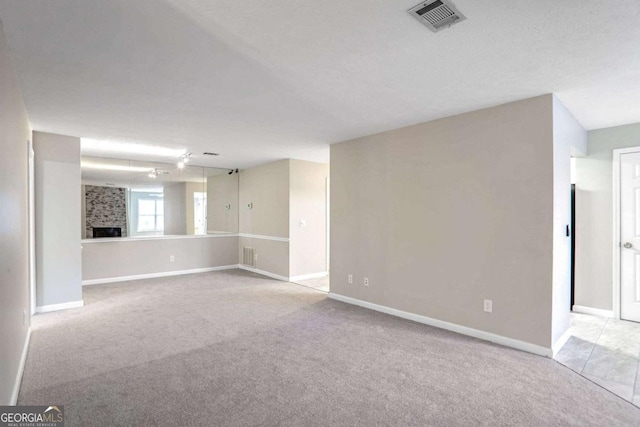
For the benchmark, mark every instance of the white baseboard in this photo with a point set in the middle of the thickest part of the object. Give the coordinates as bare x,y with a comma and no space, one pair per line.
264,273
154,275
23,360
56,307
309,276
561,342
464,330
593,311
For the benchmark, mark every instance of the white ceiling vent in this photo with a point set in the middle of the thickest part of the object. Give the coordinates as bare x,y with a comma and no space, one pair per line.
437,14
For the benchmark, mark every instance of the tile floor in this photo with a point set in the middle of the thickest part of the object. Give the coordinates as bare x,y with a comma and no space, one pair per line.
321,284
607,352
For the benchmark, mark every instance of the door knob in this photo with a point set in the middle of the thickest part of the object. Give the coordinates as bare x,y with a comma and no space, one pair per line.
627,245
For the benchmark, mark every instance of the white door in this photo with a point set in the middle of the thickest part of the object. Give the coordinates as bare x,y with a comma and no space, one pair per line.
630,236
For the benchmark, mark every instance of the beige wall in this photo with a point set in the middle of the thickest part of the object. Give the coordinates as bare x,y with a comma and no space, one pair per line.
594,215
283,193
273,256
568,137
58,258
15,131
307,193
116,258
442,215
175,219
267,187
222,190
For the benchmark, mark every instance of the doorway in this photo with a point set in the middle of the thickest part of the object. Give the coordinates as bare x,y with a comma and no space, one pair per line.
320,281
572,231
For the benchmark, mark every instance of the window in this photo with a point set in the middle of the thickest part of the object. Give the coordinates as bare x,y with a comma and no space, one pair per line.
150,215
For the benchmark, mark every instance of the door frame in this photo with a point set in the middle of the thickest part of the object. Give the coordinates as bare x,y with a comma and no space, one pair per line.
617,153
572,230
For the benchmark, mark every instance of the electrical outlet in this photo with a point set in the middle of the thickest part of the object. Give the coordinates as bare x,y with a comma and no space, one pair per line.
350,279
172,258
488,305
366,281
24,317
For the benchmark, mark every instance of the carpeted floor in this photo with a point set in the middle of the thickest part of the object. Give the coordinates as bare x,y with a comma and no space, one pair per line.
237,349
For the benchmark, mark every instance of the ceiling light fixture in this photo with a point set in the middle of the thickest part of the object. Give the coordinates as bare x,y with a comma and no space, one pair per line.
108,146
183,160
154,173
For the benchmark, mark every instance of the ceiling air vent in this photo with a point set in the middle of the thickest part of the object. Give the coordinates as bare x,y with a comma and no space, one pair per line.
208,153
437,14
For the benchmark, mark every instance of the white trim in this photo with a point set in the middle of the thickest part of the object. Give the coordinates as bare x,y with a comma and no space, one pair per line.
560,342
90,282
464,330
616,226
616,235
168,237
56,307
23,360
260,236
309,276
593,311
264,273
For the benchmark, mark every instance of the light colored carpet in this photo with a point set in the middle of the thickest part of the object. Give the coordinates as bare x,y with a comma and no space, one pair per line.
236,349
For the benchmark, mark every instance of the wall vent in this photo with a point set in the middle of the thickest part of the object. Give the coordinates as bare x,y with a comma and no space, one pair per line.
437,14
248,257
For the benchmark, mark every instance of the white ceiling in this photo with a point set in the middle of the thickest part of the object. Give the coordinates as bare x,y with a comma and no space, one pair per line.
264,80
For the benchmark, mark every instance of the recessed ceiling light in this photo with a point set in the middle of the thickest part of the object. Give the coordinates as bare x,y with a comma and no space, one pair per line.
107,146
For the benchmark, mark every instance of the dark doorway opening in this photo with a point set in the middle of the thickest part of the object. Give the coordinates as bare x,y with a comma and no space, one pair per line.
573,245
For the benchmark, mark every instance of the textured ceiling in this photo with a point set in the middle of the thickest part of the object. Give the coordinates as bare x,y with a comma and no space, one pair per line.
264,80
